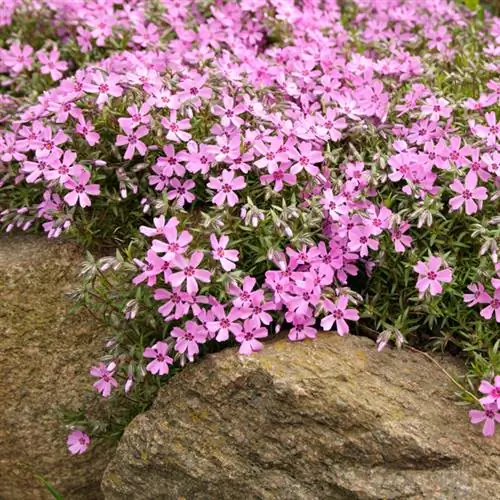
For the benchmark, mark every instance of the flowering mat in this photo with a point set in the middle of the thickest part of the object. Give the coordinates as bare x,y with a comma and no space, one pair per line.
240,168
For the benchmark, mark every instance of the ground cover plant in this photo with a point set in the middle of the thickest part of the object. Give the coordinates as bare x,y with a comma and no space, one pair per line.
241,169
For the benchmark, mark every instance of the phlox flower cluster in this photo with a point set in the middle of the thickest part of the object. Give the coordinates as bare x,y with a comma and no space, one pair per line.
276,178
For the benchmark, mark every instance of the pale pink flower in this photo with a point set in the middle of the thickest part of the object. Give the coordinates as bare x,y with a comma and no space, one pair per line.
338,315
492,132
227,258
303,327
188,339
225,186
190,273
161,359
176,129
229,113
468,193
492,392
478,295
431,276
105,375
80,189
105,86
492,307
180,191
175,246
223,323
51,64
489,415
252,330
360,240
18,57
132,140
399,239
436,108
86,128
78,442
306,158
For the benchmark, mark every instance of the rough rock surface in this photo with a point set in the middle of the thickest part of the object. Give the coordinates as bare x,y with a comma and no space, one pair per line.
330,418
45,354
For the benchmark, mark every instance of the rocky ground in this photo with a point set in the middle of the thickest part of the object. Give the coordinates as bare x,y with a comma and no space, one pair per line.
45,354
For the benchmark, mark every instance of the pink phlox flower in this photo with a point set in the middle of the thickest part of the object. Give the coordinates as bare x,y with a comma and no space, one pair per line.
280,176
252,330
18,57
436,108
338,315
160,225
431,276
188,339
226,148
305,295
493,305
401,240
272,153
180,191
229,113
146,34
257,308
489,415
51,64
360,240
492,392
105,86
244,294
303,327
161,360
106,381
194,90
227,258
223,324
86,128
335,205
478,165
78,442
150,269
331,124
80,189
306,159
132,141
137,117
176,243
225,185
49,143
176,128
176,301
170,162
468,194
161,177
190,273
197,157
62,169
478,295
491,132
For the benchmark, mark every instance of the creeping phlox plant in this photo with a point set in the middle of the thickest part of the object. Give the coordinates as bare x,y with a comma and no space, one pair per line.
260,166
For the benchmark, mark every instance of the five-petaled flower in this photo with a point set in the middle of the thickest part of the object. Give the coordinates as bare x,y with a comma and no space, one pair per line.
431,275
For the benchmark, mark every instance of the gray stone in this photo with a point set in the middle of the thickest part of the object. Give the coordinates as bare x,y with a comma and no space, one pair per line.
45,355
324,419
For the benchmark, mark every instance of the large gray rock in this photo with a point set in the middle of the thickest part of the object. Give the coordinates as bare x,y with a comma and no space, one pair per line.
45,355
324,419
